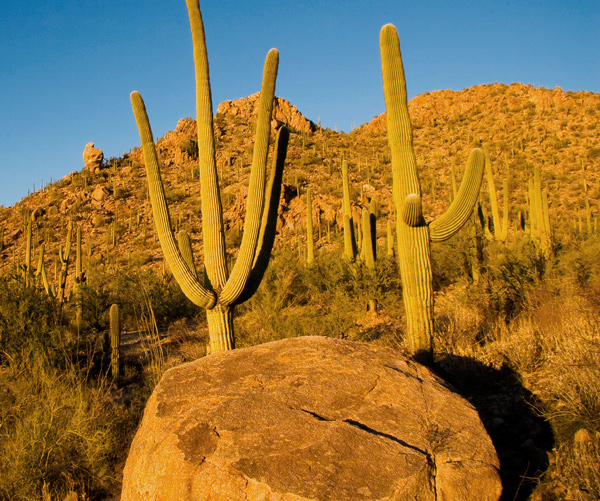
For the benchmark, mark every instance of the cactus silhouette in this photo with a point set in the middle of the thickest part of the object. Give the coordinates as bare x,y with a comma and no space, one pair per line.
221,290
413,233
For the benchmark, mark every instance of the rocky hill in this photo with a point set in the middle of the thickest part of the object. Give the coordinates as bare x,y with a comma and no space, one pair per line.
521,125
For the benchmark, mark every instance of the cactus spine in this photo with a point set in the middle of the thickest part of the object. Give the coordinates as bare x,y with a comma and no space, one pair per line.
115,341
413,234
222,290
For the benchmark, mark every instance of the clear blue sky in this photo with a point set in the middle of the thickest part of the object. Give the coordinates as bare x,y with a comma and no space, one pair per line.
67,67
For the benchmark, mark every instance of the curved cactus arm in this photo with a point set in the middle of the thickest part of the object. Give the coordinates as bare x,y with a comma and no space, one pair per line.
257,185
189,284
42,272
462,207
400,134
213,231
269,220
185,247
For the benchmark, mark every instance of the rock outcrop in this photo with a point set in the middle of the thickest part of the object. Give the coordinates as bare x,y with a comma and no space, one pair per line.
92,157
284,113
309,419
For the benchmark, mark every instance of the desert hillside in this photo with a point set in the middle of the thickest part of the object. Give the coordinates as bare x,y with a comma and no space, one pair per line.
522,126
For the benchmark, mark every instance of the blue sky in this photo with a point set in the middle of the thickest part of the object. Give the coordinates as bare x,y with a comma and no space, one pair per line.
67,67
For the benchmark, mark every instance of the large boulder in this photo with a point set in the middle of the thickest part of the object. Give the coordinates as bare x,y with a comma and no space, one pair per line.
309,418
92,158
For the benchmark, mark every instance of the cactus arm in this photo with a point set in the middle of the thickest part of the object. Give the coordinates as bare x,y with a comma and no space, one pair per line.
189,284
45,282
400,135
268,229
257,185
462,206
185,247
213,231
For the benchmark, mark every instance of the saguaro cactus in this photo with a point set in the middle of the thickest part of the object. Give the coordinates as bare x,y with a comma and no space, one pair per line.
412,232
63,257
79,279
27,269
310,241
115,341
539,219
350,247
221,290
500,227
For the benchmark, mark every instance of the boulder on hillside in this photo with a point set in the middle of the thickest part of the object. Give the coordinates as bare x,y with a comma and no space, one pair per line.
92,157
309,418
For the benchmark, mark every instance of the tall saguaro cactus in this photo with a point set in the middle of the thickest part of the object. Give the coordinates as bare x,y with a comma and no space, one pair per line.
222,290
413,233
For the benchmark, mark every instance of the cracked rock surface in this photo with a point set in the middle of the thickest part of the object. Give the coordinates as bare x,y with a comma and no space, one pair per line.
309,418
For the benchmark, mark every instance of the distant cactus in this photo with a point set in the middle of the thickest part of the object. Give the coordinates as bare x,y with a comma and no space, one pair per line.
413,233
499,229
79,279
222,290
310,242
27,270
390,240
539,219
63,257
42,273
350,247
368,240
115,341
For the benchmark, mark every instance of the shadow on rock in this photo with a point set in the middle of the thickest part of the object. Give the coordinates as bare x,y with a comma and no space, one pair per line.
522,439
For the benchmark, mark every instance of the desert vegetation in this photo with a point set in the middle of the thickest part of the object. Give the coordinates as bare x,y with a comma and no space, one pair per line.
515,328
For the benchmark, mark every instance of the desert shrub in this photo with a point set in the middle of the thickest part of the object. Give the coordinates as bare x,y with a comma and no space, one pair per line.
326,298
29,321
56,434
